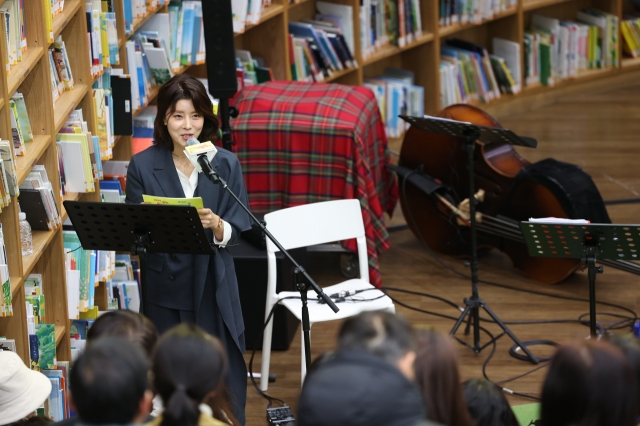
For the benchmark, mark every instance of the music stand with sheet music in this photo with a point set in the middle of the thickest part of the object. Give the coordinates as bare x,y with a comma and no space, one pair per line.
469,133
587,242
140,229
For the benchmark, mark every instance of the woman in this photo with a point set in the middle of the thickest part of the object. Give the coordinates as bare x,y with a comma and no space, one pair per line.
188,367
487,404
198,289
589,383
436,369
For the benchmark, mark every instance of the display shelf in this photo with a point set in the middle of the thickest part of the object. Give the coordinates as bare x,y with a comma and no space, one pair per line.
69,196
62,19
337,74
16,284
41,240
19,73
60,332
390,50
1,103
137,23
537,4
630,62
33,152
269,12
67,102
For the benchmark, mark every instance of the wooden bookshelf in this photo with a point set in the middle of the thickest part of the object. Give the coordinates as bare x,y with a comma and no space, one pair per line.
267,39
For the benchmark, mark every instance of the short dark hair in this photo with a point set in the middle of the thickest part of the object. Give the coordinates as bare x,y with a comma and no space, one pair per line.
108,381
437,375
589,383
131,325
179,87
381,333
487,404
630,347
188,364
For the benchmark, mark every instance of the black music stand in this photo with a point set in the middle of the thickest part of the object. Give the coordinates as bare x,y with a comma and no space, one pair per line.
469,133
140,229
587,242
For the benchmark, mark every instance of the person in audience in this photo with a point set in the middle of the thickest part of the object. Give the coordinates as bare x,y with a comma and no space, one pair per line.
436,368
131,325
189,366
487,404
589,383
109,383
368,380
199,289
22,390
630,347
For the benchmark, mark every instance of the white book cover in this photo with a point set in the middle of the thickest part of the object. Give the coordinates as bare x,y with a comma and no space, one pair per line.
510,52
73,294
74,174
239,14
346,14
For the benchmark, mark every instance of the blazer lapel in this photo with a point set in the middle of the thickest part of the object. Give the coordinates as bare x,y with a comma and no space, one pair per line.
165,173
208,191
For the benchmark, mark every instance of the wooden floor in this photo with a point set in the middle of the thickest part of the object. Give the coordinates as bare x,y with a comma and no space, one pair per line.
599,132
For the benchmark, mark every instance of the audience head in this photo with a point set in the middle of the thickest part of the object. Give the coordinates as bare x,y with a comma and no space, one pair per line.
21,389
362,382
589,383
109,382
436,368
630,347
189,366
487,404
385,335
127,324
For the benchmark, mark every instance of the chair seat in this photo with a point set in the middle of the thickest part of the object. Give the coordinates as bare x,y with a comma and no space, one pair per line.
352,306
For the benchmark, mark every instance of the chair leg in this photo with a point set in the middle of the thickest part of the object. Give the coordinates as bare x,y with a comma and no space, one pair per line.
266,351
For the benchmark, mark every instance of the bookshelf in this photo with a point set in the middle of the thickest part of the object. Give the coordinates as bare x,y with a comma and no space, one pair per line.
267,39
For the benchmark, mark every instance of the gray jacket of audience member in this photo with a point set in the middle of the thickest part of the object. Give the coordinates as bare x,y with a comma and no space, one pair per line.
360,389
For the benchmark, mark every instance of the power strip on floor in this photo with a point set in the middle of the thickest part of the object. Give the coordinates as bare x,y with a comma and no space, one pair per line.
280,416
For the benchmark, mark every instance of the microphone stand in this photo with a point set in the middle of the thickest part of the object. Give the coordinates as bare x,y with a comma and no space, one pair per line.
303,286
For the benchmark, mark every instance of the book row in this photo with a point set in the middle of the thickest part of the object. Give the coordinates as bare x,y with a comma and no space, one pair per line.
462,12
556,50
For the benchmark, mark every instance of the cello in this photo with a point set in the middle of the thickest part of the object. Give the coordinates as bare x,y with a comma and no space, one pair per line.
510,190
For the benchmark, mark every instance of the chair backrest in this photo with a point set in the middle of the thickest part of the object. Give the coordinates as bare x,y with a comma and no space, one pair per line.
317,223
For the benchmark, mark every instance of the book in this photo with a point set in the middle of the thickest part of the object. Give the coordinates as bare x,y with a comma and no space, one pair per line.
152,199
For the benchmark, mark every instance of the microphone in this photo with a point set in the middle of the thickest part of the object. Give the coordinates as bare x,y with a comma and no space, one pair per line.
196,151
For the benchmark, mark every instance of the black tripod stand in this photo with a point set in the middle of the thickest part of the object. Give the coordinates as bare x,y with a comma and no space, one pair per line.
469,133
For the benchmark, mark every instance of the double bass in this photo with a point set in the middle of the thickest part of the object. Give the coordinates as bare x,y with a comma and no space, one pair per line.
510,190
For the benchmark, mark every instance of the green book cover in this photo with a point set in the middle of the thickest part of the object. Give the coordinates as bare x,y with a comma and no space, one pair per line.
46,334
23,116
6,300
38,307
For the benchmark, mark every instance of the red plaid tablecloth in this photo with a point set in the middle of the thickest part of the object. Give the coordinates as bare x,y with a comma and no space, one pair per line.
302,143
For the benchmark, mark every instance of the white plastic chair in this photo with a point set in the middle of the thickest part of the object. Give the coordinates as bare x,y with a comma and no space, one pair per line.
309,225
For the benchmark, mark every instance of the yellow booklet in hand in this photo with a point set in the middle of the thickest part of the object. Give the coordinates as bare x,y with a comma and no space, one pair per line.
195,202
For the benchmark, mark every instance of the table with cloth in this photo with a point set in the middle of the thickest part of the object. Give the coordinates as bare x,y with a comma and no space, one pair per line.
301,143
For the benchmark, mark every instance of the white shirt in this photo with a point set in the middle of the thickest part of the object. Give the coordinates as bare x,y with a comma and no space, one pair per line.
189,185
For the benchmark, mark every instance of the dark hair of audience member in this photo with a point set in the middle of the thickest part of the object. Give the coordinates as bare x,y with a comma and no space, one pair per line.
188,365
383,334
131,325
589,383
109,380
437,375
630,347
487,404
32,421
